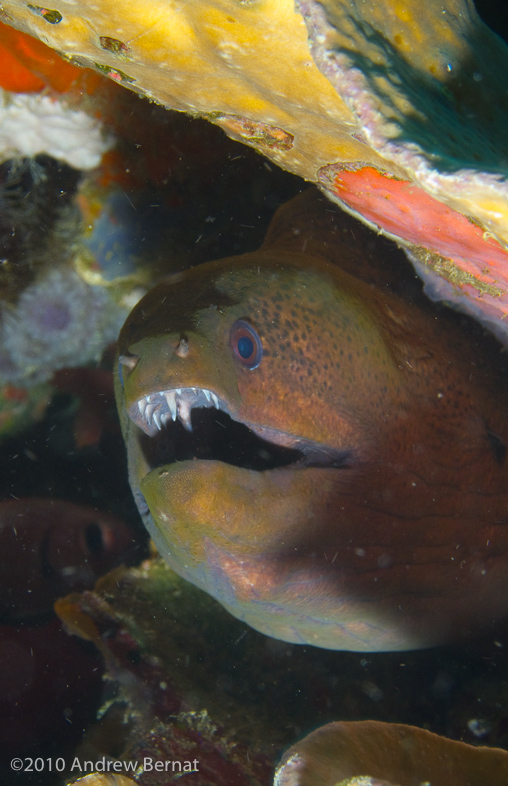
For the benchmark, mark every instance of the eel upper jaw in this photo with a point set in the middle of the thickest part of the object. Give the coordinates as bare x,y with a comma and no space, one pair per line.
156,411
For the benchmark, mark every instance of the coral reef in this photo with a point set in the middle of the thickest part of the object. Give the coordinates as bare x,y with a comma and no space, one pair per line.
170,713
80,241
49,315
416,94
182,675
250,68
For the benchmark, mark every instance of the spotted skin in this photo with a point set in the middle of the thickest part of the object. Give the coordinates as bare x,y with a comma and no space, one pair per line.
398,541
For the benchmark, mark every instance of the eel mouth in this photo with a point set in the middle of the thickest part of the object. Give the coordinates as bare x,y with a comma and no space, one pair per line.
183,424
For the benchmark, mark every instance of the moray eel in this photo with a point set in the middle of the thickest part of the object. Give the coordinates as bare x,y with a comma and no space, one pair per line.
317,449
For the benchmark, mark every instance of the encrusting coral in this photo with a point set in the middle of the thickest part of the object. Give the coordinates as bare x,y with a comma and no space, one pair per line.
396,110
388,754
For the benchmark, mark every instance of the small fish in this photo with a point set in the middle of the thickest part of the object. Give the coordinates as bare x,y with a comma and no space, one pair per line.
323,454
49,548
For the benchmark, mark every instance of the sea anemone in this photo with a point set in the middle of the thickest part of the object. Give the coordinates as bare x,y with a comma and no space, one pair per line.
59,321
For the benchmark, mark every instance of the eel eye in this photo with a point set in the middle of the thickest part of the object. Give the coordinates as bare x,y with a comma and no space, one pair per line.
246,344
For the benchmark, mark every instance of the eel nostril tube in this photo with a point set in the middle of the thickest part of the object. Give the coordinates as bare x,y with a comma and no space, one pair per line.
182,349
129,361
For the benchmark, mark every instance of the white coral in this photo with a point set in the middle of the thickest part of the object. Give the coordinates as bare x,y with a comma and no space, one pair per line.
34,124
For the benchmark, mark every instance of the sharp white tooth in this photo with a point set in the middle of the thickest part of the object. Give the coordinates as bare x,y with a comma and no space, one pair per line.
215,400
164,418
142,406
184,410
171,399
178,391
207,394
149,412
157,419
147,399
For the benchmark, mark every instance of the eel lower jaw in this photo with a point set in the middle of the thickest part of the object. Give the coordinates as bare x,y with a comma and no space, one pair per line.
192,423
